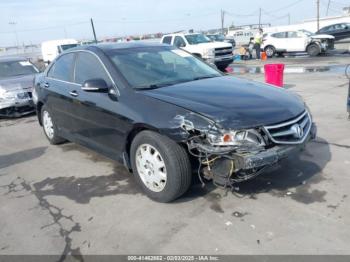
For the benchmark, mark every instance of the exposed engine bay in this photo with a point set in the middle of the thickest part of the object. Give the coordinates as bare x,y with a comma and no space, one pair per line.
229,157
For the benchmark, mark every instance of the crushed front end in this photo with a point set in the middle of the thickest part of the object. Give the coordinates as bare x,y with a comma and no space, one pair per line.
15,101
230,156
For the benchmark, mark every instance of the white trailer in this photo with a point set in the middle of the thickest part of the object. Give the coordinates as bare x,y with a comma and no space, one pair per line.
51,49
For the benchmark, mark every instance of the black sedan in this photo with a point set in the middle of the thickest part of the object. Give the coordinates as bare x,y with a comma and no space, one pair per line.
339,31
166,114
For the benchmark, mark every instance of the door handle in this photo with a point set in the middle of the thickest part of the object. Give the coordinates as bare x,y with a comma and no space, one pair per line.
46,85
73,93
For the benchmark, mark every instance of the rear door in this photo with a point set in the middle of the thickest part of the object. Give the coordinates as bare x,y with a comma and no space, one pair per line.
296,42
278,40
58,86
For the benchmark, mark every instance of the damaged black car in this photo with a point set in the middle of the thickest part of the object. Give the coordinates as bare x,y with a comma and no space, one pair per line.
167,116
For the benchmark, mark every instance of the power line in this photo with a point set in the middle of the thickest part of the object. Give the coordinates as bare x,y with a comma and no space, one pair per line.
287,6
126,21
46,28
254,14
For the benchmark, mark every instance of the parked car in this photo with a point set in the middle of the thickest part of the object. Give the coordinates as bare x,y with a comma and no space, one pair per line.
51,49
297,41
217,53
164,113
16,85
221,38
339,31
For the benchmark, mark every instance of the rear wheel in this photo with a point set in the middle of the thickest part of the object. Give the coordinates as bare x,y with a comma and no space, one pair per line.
161,166
270,51
313,50
49,126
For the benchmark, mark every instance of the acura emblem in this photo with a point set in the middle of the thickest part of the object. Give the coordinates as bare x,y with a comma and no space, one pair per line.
298,132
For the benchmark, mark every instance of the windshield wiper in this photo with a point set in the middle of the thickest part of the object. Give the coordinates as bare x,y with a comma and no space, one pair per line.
155,86
204,77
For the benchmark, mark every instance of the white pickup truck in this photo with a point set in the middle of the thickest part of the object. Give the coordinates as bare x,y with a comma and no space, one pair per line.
218,53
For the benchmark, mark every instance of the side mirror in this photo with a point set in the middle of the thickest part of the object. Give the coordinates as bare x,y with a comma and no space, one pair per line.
95,85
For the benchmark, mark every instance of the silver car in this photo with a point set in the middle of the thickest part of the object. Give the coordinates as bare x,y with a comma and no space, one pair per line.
16,86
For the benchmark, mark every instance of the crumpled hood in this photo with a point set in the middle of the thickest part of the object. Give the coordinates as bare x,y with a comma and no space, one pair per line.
231,102
322,37
19,83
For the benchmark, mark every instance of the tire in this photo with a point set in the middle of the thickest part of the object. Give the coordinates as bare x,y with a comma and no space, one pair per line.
176,163
53,138
313,50
270,51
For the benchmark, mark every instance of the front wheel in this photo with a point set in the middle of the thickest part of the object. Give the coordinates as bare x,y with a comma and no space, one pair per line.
161,166
270,51
313,50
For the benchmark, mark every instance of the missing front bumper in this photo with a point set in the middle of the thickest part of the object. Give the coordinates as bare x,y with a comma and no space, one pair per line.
237,167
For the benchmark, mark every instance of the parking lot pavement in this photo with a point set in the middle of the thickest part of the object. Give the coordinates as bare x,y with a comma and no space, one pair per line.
63,199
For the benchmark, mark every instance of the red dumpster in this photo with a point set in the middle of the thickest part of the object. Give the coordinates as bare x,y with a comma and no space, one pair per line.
274,74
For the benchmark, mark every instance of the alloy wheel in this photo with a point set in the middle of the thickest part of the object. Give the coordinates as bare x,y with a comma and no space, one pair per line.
48,125
151,167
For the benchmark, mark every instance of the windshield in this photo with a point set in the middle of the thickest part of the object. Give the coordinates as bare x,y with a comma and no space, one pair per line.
153,67
219,38
306,32
65,47
16,68
197,39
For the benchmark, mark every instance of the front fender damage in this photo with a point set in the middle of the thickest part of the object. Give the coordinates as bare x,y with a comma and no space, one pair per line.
226,165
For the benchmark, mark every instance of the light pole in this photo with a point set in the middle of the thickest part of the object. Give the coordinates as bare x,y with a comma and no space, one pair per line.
15,31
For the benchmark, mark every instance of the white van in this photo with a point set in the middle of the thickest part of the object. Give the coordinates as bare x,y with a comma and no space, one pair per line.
51,49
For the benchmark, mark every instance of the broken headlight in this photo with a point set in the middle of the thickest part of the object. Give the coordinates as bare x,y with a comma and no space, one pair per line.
236,138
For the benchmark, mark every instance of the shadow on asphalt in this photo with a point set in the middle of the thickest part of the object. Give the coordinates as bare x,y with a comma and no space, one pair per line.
21,156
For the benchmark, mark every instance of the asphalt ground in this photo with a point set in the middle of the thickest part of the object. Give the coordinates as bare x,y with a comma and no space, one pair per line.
67,199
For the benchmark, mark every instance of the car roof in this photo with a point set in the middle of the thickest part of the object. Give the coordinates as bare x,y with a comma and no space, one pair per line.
175,34
109,46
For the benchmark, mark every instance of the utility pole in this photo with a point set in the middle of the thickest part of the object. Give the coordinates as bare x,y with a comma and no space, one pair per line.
318,14
329,3
15,31
93,30
288,18
222,20
260,17
65,32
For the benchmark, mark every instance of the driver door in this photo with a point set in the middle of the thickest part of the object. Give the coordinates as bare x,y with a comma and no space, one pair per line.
97,123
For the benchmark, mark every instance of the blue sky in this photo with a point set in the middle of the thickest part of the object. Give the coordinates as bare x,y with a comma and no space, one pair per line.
39,20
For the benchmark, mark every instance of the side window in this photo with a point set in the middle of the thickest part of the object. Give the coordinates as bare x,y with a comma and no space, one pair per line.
279,35
87,67
292,34
167,40
325,29
179,42
62,68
